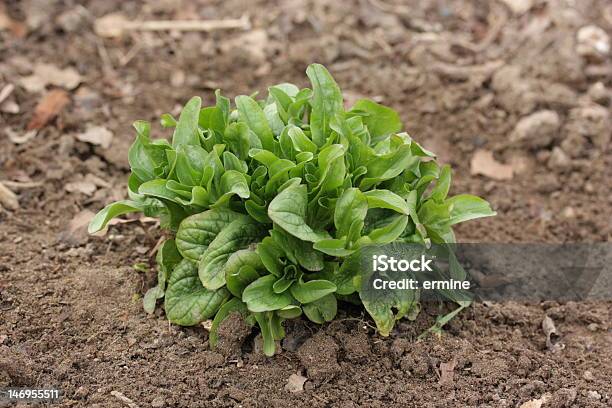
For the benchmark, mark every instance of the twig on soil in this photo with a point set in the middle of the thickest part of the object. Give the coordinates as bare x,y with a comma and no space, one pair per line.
114,25
17,185
459,72
6,92
124,399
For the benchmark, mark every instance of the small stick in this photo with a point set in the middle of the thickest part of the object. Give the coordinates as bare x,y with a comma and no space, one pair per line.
114,25
6,92
124,399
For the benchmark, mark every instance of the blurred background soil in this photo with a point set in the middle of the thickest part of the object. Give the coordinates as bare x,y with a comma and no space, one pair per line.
514,94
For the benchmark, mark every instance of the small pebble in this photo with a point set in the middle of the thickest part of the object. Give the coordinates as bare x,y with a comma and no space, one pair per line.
587,375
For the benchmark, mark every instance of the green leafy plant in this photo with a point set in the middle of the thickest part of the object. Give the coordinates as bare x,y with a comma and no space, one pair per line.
273,203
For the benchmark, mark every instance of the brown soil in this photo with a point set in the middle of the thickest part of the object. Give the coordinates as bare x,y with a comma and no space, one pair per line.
461,74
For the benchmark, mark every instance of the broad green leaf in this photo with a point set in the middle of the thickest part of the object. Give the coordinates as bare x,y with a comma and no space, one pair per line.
146,159
298,251
352,205
167,258
260,296
380,120
322,310
241,269
237,235
187,132
99,221
440,191
150,298
389,232
237,138
306,292
326,102
213,118
270,254
187,301
289,312
333,247
387,199
288,210
190,163
197,231
388,166
252,114
465,207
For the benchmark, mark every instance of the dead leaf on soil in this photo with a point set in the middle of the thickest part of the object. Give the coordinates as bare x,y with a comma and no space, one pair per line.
552,337
48,74
447,372
76,230
295,383
537,403
485,164
97,135
20,139
84,187
48,108
17,28
8,199
207,325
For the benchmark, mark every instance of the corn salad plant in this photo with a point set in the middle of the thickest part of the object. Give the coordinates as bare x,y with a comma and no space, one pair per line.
271,203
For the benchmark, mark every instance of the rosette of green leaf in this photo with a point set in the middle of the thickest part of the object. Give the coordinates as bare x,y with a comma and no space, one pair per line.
327,182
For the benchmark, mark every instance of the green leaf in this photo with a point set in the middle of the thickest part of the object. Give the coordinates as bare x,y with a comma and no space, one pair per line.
197,231
237,235
298,251
326,102
288,210
260,296
333,247
440,191
381,303
386,167
187,132
241,269
306,292
265,322
187,302
380,120
167,258
352,205
99,221
465,207
146,159
252,114
387,199
322,310
212,118
150,299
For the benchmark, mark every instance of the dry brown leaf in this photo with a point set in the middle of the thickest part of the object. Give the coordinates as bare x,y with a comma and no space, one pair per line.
48,74
84,187
48,108
76,231
295,383
485,164
8,199
552,337
447,372
97,135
